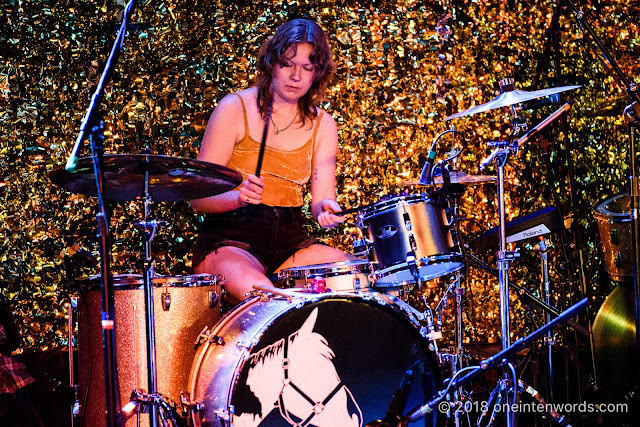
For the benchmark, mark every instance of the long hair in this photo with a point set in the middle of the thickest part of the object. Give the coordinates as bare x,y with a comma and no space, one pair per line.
285,41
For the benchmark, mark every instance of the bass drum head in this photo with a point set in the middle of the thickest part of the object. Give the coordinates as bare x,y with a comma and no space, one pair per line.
349,352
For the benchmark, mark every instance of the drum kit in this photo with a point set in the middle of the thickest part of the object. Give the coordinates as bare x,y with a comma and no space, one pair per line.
334,344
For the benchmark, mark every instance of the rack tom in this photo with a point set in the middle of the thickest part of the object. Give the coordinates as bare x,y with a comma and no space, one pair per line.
402,224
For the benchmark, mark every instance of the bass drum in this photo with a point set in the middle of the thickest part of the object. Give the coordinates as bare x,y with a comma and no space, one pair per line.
322,360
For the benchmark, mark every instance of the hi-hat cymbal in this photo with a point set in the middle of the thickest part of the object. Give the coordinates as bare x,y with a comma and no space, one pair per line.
513,97
170,178
458,177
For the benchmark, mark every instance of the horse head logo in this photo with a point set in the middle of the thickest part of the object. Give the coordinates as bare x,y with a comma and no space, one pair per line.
297,376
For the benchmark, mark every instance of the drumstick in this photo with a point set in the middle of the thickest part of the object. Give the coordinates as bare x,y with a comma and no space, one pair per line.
277,291
263,143
348,211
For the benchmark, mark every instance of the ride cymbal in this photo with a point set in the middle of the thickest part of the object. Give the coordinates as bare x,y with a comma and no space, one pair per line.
168,178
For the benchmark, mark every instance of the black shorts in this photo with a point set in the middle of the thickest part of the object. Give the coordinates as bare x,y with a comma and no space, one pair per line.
271,234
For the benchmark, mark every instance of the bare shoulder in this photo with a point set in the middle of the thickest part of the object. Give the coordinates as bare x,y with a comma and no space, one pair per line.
230,103
328,128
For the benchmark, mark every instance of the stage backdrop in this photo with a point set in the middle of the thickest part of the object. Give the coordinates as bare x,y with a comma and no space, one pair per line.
403,66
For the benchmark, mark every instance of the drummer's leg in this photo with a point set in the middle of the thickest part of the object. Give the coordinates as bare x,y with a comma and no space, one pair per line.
316,254
240,269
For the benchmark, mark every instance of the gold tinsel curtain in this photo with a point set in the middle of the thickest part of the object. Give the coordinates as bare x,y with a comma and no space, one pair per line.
403,66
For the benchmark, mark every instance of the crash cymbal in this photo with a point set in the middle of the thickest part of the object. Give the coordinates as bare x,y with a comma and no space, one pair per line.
457,177
614,340
508,98
169,178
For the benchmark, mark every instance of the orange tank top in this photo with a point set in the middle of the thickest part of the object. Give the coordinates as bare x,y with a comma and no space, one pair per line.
285,172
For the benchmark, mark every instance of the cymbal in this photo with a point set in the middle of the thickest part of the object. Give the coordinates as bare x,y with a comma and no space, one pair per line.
458,177
169,178
614,339
513,97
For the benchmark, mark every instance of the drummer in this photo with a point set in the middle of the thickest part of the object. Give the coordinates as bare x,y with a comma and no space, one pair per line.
257,229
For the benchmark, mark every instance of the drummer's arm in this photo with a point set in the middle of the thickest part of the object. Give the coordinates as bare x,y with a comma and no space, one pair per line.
323,175
217,145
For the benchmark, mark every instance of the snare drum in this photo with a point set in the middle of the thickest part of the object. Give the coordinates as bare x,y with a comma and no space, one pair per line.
338,276
401,224
321,360
183,306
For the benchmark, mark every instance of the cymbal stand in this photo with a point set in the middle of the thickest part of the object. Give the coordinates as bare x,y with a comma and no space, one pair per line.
152,398
544,257
501,154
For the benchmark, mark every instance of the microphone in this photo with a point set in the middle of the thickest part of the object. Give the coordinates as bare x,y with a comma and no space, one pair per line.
539,399
553,99
543,124
85,256
425,176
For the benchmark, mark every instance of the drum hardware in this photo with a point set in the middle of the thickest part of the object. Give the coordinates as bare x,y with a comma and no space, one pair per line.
75,407
545,290
501,152
207,335
214,299
492,362
166,300
131,177
141,402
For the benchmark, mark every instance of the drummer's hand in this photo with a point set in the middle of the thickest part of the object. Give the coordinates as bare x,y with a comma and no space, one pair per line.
326,218
251,191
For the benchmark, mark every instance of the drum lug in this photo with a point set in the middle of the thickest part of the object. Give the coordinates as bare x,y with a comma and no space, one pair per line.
613,235
166,301
247,345
618,261
207,335
225,415
412,243
407,221
213,299
190,406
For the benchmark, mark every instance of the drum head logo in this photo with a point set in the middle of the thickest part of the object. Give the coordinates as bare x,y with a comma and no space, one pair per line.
295,379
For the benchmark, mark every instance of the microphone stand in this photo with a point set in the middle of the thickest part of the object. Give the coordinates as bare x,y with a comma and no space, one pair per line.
500,358
92,121
631,115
